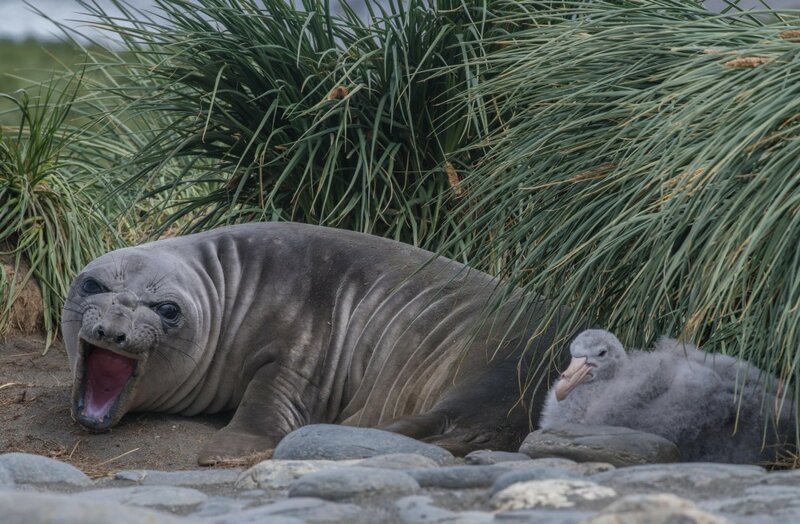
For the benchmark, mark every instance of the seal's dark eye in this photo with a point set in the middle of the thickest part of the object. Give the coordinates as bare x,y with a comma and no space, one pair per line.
91,286
168,311
602,353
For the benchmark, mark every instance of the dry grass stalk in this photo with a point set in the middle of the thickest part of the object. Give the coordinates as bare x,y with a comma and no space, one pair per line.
746,62
785,460
594,173
453,179
338,93
790,34
27,311
246,461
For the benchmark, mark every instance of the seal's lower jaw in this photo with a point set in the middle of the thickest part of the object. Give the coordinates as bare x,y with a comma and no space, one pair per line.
103,386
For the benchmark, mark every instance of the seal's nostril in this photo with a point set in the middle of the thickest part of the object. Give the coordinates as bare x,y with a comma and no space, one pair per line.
120,338
100,333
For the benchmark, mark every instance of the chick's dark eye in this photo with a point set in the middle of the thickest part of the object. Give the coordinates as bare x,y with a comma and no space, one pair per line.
91,286
602,353
168,311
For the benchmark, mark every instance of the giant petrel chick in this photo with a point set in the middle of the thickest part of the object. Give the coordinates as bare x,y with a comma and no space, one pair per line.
713,407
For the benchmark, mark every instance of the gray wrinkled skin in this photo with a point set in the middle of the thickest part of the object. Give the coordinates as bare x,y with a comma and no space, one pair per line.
291,324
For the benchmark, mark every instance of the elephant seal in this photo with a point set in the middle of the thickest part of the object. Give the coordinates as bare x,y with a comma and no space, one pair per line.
291,324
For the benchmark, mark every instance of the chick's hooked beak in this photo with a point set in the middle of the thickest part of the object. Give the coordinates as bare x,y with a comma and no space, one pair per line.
578,372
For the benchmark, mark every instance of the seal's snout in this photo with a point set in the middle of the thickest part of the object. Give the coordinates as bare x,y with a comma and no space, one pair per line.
103,332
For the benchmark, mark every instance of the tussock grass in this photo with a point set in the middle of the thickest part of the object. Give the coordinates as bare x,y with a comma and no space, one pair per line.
48,221
644,170
299,115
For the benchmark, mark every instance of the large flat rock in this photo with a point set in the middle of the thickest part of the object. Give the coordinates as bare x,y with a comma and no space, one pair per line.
333,442
343,483
614,445
18,507
25,468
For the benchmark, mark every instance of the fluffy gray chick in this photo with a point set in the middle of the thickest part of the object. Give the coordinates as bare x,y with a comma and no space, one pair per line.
684,395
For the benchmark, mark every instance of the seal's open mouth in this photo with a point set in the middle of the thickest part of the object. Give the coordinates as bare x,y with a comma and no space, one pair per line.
578,372
106,378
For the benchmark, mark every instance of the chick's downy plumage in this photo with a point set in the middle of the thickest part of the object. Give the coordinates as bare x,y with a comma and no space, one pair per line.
687,396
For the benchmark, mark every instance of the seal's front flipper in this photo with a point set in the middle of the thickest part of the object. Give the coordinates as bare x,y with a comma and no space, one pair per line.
457,434
270,408
418,426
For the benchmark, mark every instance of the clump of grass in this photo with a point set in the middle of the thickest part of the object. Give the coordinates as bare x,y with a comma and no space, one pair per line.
646,170
296,114
48,221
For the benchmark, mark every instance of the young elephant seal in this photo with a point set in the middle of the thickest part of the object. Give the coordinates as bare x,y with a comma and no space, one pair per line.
291,324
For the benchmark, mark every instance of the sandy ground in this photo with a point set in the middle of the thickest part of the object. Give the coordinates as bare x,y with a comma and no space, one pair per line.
35,418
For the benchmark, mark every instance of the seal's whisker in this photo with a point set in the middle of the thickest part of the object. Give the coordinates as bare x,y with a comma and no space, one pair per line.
178,350
190,341
165,359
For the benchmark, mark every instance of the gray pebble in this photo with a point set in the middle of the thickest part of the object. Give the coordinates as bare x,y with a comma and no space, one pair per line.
524,475
166,496
777,502
333,442
485,456
279,474
6,480
24,468
420,510
542,516
219,506
199,477
695,480
341,483
615,445
660,508
458,477
296,509
582,468
783,478
401,461
30,507
552,493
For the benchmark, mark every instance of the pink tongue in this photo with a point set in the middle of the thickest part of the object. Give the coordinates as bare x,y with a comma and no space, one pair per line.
106,376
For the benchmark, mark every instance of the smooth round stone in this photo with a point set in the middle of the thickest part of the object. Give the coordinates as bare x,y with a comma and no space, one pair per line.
780,503
334,442
25,468
615,445
166,496
694,479
458,477
554,493
401,461
29,506
217,506
582,468
782,478
199,477
660,508
543,516
6,480
525,475
486,456
279,474
294,510
421,510
342,483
